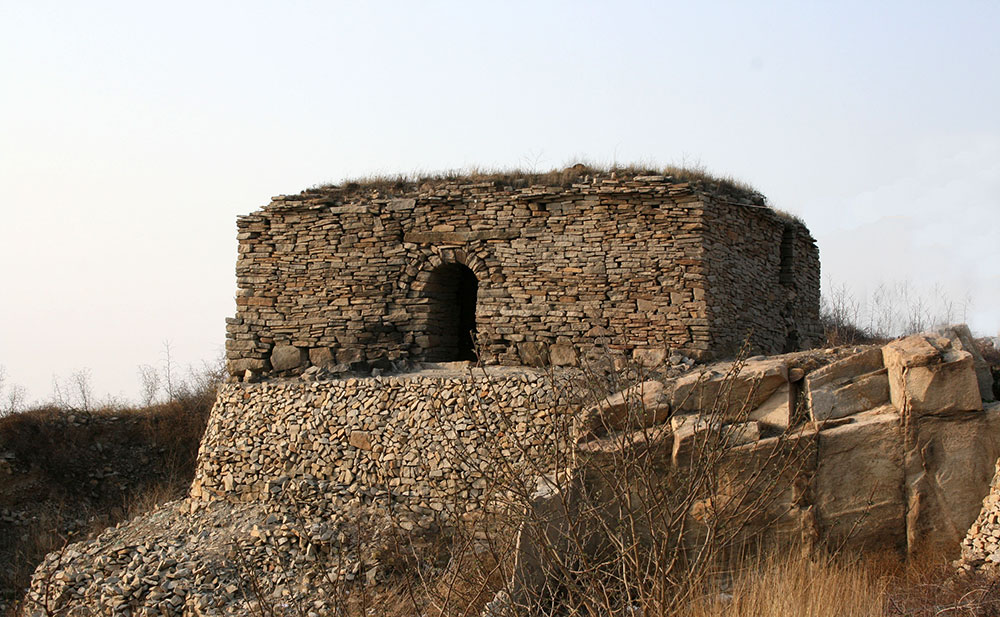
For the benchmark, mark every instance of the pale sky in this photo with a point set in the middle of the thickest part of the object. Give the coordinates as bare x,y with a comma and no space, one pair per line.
132,134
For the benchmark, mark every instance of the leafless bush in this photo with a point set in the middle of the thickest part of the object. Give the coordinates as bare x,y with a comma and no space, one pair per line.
149,382
891,310
618,527
75,392
15,397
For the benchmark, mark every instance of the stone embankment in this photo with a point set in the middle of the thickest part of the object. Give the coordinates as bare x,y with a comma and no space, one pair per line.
430,441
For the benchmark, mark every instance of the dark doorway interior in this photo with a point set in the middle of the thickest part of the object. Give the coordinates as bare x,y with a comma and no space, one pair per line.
451,324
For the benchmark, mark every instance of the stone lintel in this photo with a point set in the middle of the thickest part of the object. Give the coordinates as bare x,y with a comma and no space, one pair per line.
459,237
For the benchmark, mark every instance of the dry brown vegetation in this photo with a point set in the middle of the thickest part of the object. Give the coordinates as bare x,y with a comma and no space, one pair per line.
76,472
778,585
404,183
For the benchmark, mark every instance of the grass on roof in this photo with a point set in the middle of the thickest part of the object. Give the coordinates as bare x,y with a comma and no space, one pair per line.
574,174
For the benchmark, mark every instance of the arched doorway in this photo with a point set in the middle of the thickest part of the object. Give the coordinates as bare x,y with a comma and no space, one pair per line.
451,324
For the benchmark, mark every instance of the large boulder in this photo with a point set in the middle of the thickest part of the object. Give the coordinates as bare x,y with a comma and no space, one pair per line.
858,487
642,405
729,390
322,357
961,338
929,375
949,465
552,534
853,384
287,357
693,431
778,411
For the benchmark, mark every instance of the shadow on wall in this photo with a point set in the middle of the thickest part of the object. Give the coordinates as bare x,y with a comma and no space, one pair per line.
451,313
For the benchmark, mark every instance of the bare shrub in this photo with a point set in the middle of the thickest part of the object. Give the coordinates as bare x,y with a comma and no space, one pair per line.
75,392
607,528
149,382
891,310
15,397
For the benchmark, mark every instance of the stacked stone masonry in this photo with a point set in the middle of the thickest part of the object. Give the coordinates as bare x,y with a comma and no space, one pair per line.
542,274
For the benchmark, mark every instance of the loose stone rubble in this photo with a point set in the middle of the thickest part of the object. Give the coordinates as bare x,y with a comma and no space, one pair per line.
429,441
219,558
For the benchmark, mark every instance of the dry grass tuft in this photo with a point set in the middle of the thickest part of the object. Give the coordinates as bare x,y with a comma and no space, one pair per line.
399,184
784,586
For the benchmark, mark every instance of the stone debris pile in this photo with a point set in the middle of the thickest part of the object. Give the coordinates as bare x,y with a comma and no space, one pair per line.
429,441
195,558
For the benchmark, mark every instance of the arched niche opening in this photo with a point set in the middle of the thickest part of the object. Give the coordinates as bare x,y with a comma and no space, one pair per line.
451,316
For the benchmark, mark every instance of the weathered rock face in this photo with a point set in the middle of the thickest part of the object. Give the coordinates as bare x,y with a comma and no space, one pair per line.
904,474
930,375
947,469
858,488
542,274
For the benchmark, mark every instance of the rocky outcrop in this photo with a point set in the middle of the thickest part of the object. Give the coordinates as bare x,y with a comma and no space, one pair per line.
903,446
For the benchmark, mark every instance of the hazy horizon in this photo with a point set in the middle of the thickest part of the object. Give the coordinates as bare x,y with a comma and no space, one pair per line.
132,136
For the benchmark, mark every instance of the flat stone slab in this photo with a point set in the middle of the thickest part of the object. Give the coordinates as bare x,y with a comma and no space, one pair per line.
858,487
856,383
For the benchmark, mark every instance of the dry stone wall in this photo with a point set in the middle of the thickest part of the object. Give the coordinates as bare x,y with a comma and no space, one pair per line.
560,274
765,280
431,442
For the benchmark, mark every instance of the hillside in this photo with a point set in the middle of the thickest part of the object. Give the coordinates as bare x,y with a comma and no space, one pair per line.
67,474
